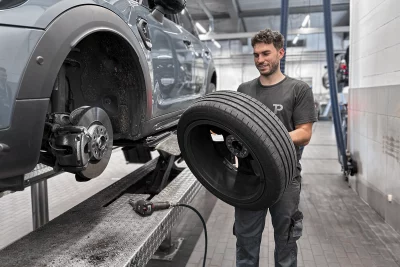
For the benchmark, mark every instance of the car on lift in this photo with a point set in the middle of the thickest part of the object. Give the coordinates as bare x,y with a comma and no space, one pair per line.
79,77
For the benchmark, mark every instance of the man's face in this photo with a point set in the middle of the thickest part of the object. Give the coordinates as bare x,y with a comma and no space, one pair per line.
267,58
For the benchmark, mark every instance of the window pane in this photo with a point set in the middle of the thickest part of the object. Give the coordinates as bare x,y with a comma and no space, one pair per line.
148,3
187,23
145,3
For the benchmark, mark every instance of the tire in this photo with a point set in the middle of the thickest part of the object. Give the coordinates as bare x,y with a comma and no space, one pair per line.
266,154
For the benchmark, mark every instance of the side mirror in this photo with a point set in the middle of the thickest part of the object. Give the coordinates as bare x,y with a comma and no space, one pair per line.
169,7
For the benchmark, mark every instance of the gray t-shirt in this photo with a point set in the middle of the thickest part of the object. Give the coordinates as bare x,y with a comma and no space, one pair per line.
291,100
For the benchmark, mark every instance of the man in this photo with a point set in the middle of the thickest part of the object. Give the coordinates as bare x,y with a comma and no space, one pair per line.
293,103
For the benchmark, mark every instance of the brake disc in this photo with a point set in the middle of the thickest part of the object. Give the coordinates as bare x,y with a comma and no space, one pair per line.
99,148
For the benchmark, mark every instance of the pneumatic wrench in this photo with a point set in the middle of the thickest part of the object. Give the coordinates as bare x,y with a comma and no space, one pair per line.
146,208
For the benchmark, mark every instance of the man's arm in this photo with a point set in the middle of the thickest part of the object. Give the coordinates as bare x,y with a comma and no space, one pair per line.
301,136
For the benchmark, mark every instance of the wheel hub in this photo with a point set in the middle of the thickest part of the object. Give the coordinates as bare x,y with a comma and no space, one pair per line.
236,147
99,141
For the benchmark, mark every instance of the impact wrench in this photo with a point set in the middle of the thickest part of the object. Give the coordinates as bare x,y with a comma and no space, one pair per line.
146,208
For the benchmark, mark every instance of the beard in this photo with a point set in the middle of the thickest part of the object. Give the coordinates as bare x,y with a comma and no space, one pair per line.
273,68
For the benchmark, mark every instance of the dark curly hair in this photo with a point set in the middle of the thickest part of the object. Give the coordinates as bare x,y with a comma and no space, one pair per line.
268,36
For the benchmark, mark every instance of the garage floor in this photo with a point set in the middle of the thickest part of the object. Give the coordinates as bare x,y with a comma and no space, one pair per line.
339,229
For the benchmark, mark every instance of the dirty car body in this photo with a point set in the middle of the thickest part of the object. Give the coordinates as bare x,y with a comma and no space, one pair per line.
78,77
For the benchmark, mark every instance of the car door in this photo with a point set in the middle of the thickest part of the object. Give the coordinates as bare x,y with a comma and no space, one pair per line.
202,55
172,58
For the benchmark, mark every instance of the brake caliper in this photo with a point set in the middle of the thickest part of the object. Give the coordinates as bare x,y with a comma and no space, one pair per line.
81,141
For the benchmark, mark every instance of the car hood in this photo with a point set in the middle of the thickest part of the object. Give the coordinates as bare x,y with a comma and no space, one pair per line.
39,14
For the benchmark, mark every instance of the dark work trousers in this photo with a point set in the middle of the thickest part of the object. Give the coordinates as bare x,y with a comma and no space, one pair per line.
287,221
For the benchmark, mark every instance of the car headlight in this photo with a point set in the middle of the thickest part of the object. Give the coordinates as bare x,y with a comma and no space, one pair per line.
6,4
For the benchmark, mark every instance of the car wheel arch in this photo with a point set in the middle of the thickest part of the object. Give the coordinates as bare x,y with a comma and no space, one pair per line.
61,37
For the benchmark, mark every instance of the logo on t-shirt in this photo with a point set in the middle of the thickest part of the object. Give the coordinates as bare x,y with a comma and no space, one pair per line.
277,107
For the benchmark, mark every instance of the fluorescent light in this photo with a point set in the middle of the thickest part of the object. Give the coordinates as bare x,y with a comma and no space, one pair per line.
183,12
198,25
305,21
216,43
295,39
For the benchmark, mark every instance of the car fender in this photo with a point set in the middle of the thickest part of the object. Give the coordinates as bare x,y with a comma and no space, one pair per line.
40,73
42,13
210,72
61,36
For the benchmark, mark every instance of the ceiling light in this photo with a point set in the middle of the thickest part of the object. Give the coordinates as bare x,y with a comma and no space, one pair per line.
183,12
305,21
198,25
216,43
295,39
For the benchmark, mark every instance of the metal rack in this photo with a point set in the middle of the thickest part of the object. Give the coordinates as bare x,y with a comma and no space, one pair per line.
104,230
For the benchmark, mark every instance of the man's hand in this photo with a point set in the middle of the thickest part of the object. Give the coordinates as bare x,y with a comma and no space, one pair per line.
302,135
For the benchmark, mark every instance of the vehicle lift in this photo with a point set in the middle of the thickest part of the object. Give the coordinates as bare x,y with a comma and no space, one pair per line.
104,230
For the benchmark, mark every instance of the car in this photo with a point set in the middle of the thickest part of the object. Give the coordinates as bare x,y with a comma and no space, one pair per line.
342,73
79,77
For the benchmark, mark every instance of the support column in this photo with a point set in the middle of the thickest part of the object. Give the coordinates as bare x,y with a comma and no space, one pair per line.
40,204
284,25
337,120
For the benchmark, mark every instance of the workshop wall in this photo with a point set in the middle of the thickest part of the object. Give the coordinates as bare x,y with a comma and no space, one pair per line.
231,72
374,115
234,61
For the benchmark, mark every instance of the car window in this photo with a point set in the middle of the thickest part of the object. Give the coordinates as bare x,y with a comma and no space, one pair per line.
150,5
147,3
170,17
186,22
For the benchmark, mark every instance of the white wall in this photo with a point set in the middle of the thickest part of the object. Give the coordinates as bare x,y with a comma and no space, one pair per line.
374,130
234,62
375,42
232,71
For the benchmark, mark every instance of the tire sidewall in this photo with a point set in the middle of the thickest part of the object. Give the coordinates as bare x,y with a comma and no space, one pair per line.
272,186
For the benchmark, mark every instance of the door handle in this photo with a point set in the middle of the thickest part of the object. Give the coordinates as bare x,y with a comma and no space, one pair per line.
144,33
187,42
206,53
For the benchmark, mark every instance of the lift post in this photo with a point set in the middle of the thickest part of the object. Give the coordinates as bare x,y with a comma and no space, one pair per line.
333,85
40,204
284,25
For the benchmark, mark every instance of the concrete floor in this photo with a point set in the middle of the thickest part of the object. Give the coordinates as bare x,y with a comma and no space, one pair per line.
339,228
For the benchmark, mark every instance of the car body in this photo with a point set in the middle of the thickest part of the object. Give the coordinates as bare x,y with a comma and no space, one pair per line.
342,73
117,56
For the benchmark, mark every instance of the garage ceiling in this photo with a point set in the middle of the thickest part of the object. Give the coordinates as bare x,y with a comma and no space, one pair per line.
232,16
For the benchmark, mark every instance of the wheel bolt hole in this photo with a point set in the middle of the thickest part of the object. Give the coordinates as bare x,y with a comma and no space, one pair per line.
102,142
